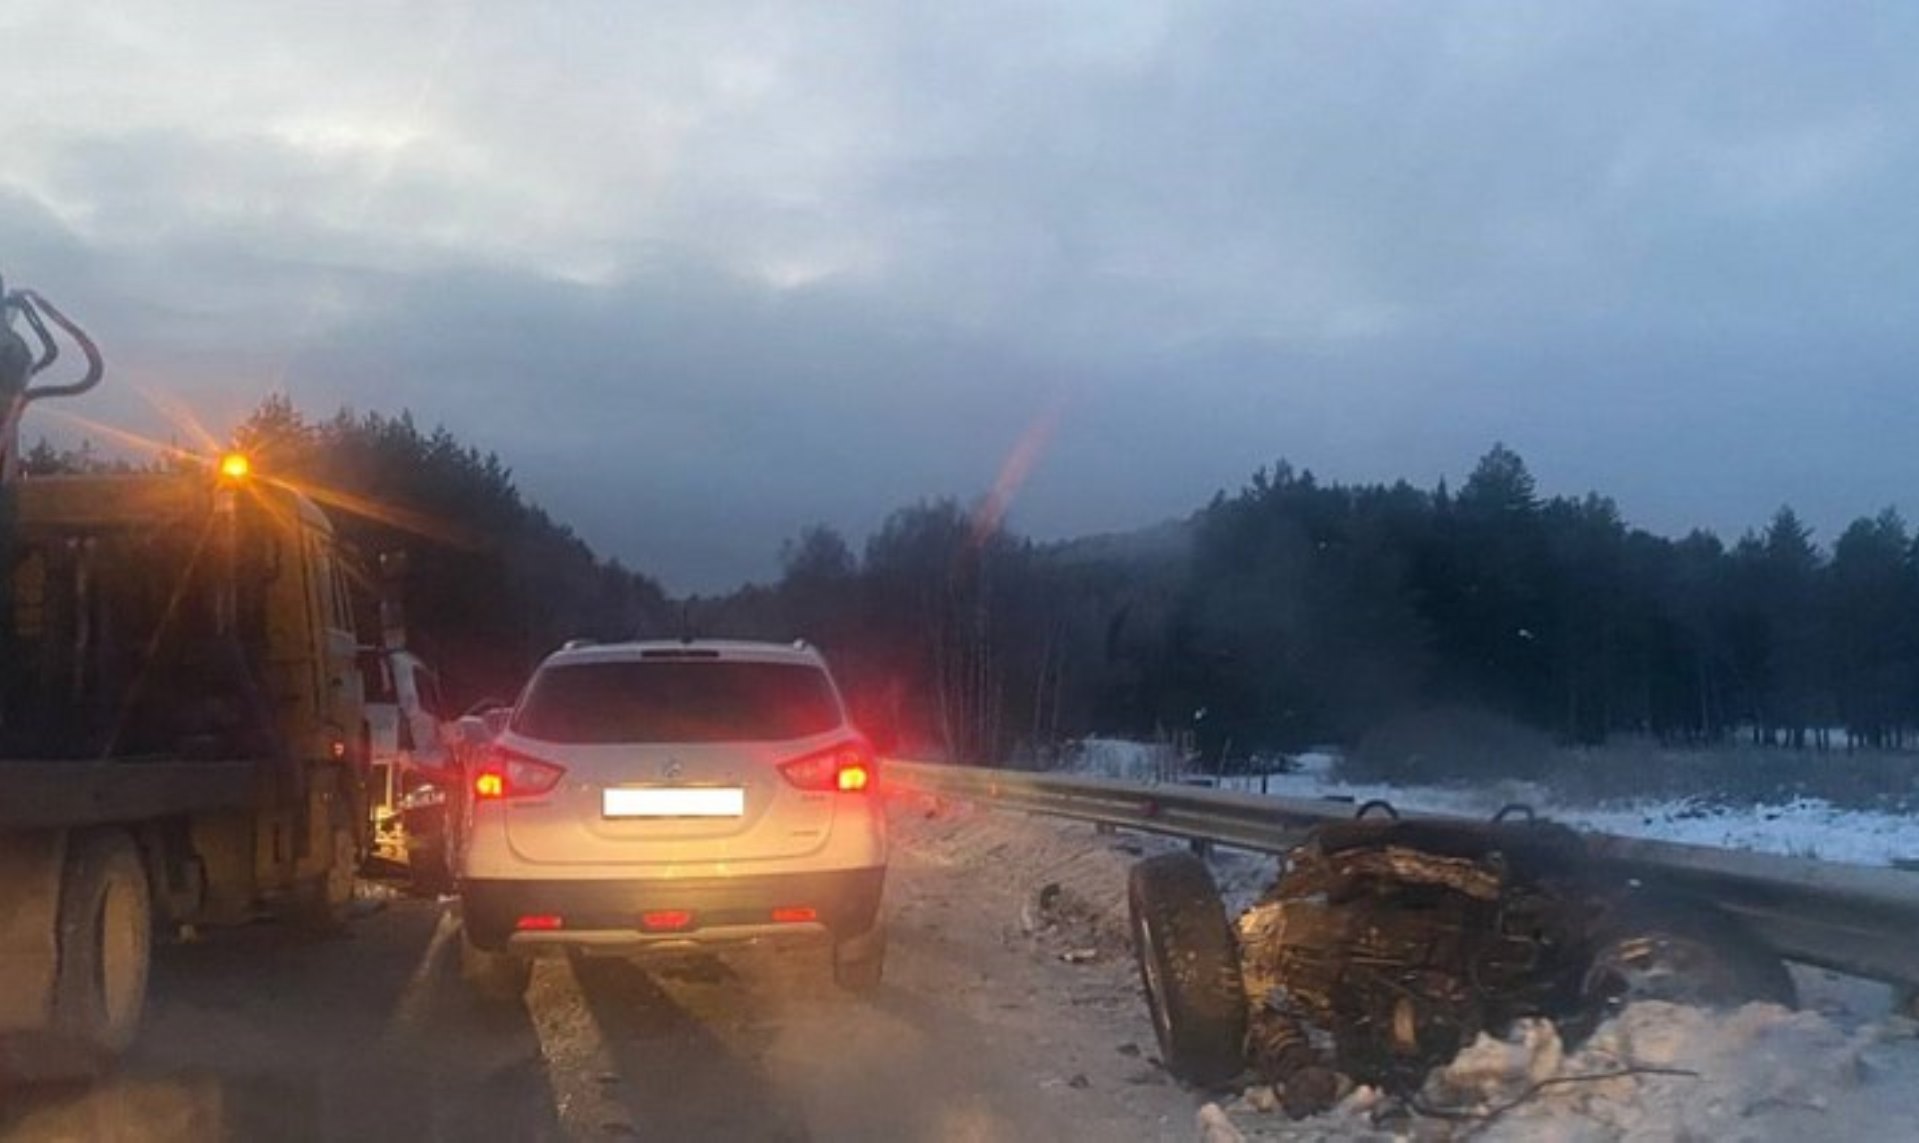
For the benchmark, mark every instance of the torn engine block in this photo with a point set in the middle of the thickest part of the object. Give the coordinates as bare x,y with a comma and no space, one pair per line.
1386,947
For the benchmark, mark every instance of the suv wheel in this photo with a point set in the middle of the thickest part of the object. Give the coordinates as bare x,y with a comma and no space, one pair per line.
499,976
859,962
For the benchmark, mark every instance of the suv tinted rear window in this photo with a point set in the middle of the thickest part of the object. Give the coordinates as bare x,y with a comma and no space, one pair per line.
680,701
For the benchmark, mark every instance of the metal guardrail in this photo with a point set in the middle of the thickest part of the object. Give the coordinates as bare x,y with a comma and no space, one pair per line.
1855,919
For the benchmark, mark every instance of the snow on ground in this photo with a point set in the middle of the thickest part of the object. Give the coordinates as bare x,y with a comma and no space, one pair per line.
1656,1072
1807,827
1124,759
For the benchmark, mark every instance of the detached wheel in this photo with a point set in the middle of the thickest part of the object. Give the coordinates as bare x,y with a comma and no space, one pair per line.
1189,965
496,976
859,963
1683,952
106,940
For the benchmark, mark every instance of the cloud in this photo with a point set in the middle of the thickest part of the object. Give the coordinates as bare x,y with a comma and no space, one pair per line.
755,265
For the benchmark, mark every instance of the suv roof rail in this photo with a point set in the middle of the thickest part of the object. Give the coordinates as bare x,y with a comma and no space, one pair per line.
576,644
681,652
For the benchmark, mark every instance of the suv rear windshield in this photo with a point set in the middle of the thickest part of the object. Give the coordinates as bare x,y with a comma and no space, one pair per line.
683,701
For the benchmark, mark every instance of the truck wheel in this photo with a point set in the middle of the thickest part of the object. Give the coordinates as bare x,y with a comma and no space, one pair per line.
106,939
860,962
323,904
1189,964
1656,948
497,976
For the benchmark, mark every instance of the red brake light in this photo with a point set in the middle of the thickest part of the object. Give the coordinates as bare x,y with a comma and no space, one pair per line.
666,920
510,774
540,923
847,768
796,915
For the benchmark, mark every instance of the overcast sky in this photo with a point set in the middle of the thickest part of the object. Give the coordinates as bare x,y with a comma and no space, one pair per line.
706,273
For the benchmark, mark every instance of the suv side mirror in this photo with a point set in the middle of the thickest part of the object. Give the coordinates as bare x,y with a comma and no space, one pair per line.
471,731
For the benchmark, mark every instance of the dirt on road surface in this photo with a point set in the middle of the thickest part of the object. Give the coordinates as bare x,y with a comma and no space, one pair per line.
1010,1012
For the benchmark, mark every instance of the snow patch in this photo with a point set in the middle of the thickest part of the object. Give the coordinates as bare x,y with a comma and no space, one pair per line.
1123,759
1761,1072
1314,763
1806,827
1655,1072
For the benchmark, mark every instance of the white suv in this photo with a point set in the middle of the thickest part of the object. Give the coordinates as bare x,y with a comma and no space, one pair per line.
652,796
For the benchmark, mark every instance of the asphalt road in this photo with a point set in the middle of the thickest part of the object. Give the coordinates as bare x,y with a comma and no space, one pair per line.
983,1031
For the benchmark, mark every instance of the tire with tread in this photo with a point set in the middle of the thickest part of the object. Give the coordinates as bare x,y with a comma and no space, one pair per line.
496,976
105,946
859,965
1189,967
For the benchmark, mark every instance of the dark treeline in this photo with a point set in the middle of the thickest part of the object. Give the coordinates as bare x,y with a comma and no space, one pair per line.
492,582
1286,614
1295,612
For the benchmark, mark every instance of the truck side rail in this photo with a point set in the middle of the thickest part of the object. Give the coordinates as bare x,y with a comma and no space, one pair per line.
47,795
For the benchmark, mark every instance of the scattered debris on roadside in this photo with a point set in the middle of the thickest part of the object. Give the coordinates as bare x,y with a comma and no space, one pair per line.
1657,1070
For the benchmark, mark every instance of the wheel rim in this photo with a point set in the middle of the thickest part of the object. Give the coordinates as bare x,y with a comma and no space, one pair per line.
1153,975
1656,966
119,960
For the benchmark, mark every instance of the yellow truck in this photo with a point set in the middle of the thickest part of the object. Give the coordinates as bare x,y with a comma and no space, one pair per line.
182,730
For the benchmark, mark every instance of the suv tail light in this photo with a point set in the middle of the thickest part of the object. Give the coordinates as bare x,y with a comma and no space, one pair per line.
847,768
511,774
666,920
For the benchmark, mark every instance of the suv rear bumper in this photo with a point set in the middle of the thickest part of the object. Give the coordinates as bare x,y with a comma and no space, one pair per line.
845,904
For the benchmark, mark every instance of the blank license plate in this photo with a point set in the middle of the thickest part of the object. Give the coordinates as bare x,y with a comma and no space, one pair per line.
674,802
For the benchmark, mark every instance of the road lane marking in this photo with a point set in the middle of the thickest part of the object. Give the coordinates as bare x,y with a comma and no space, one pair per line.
411,1012
580,1068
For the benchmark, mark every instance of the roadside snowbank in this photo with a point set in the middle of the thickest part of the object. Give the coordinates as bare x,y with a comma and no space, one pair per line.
1804,828
1124,759
1656,1072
